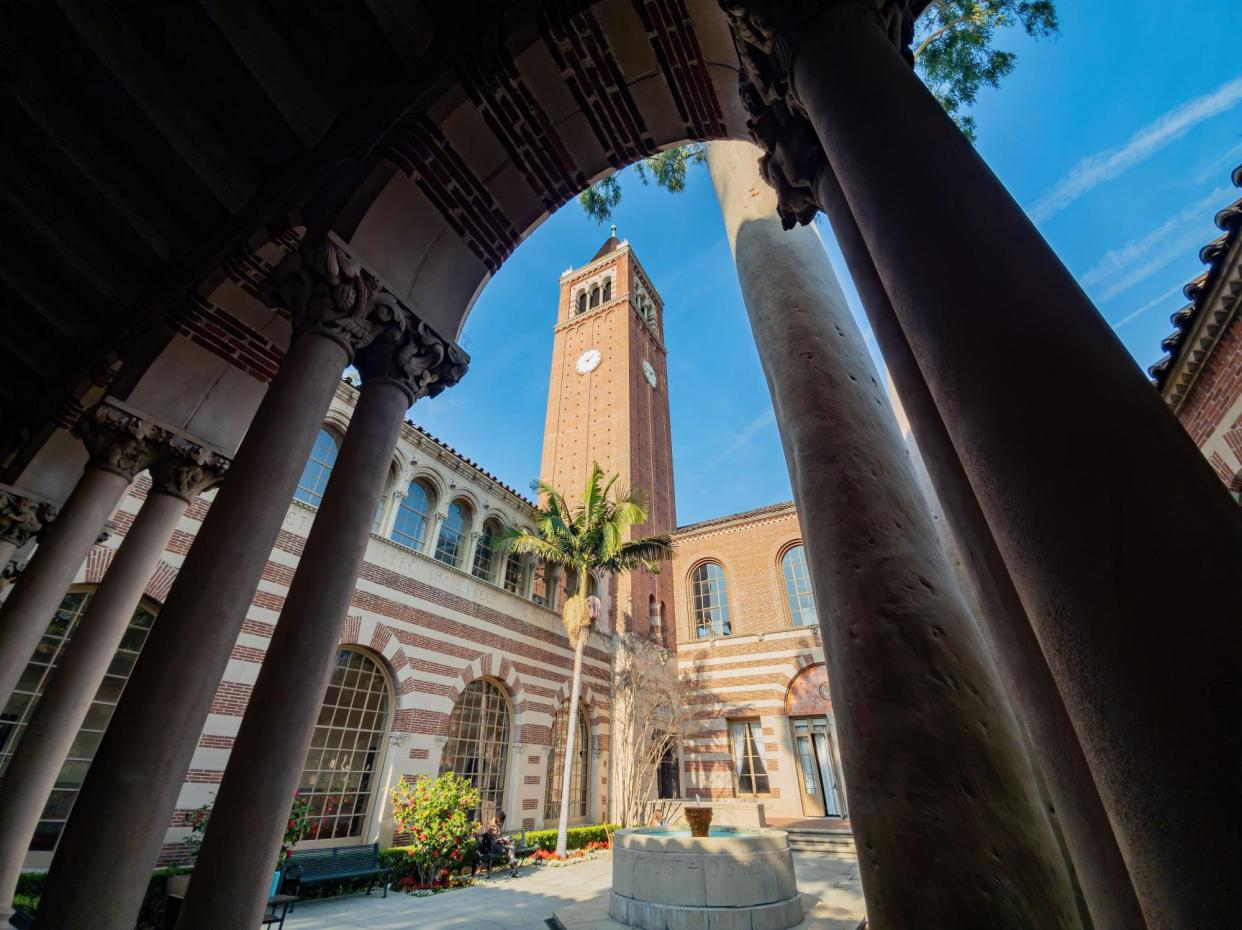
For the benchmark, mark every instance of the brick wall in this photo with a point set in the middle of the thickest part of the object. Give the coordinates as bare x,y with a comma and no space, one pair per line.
1212,414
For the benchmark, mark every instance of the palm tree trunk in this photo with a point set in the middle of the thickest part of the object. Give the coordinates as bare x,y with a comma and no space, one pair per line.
562,826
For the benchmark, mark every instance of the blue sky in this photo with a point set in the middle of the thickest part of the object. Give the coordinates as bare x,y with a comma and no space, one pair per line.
1118,139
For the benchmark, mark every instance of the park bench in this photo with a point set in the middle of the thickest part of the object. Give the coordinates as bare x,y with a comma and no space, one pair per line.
311,866
274,912
490,856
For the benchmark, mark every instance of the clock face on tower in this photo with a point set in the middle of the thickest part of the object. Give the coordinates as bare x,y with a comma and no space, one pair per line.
649,373
588,361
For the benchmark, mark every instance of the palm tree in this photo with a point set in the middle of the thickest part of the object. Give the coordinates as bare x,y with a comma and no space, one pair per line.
586,539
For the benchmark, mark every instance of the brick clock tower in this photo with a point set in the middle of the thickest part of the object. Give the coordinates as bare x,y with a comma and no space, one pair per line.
608,403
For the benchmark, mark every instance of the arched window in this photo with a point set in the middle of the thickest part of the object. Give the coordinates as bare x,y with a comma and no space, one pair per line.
709,602
410,528
478,744
484,555
595,296
453,534
582,302
608,290
346,751
318,467
798,587
579,785
34,682
513,573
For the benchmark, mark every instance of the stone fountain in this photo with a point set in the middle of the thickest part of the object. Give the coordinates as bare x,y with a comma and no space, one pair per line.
666,879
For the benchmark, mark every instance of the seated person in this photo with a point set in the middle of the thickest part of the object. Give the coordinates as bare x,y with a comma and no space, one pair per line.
494,842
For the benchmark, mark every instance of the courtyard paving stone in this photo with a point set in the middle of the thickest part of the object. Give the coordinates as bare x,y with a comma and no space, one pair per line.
578,895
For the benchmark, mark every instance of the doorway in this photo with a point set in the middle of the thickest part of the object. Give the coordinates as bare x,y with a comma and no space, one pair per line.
817,778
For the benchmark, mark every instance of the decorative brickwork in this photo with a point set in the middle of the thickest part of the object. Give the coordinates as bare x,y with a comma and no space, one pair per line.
423,152
676,47
1217,388
231,698
518,121
580,49
225,336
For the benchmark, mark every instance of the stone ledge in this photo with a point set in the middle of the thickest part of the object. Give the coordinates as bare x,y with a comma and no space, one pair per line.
651,915
593,915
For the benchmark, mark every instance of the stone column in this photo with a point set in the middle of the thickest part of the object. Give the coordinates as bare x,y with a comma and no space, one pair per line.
944,808
1093,850
115,832
402,361
182,470
1085,479
22,517
117,438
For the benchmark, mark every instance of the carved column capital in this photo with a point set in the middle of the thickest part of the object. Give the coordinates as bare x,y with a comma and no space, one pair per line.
186,468
23,516
405,350
329,292
118,439
768,35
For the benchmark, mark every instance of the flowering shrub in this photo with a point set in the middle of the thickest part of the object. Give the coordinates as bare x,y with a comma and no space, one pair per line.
301,824
435,812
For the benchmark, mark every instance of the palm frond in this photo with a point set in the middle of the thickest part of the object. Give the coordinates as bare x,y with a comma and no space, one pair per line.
645,552
524,543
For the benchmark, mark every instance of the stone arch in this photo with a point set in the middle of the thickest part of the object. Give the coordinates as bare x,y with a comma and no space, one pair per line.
433,478
806,689
384,644
494,665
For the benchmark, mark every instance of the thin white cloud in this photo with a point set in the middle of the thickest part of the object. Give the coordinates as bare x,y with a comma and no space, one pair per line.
1118,261
1184,248
1155,302
1108,164
1222,163
745,435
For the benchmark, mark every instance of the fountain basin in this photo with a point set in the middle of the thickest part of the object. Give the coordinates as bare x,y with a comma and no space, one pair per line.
731,879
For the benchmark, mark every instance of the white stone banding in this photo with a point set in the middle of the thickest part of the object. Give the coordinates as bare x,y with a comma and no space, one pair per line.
673,880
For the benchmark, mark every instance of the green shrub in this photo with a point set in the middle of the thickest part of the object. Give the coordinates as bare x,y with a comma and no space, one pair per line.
575,837
29,891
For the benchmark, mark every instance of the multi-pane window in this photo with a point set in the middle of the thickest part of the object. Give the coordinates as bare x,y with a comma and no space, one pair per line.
452,534
798,587
709,602
748,756
347,748
478,744
318,467
484,554
410,527
34,682
579,773
513,573
668,779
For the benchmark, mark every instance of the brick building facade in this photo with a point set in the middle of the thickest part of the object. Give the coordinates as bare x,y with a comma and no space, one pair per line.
1200,377
453,656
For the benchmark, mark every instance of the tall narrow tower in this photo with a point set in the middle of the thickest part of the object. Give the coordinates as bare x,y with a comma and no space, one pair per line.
608,403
